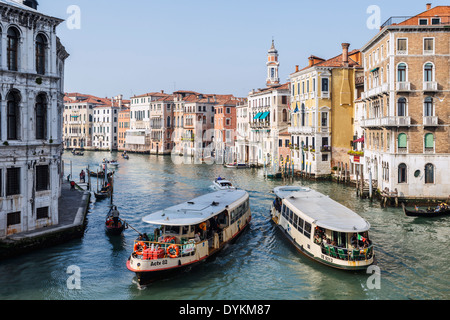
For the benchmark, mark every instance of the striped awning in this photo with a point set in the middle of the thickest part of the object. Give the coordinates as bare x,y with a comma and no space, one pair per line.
258,115
264,115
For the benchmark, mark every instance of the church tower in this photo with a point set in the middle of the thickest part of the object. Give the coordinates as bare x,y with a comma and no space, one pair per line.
272,67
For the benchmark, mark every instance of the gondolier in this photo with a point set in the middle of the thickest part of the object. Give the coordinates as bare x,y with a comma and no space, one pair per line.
115,215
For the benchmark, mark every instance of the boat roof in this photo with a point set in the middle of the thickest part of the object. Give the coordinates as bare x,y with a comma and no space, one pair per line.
197,210
322,210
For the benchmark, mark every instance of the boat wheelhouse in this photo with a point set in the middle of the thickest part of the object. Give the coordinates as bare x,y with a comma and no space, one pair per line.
322,229
189,233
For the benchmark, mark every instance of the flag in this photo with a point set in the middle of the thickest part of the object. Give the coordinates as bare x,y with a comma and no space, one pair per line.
361,238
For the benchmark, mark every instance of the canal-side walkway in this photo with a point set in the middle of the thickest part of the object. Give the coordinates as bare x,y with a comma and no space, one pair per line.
73,208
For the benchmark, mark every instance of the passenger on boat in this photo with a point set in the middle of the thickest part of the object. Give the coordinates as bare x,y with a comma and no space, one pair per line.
197,237
145,237
277,204
354,240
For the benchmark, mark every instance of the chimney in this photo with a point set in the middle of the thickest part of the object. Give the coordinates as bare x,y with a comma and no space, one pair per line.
162,91
296,68
345,47
428,6
311,61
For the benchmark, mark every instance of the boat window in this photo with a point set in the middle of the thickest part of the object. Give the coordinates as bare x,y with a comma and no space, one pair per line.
301,222
173,229
283,211
185,230
295,221
290,216
307,230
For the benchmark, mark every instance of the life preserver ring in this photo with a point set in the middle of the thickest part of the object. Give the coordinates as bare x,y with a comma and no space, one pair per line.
170,250
139,248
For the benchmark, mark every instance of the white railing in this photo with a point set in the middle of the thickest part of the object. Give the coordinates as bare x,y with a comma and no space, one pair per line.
396,121
403,86
430,86
430,121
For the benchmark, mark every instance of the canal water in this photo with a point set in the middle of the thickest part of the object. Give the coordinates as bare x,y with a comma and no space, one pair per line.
412,253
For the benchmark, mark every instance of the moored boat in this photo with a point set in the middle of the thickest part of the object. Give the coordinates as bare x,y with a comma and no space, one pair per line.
237,165
441,210
322,229
189,233
222,184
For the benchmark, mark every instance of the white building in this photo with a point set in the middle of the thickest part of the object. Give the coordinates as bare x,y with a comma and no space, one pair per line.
242,132
105,130
31,108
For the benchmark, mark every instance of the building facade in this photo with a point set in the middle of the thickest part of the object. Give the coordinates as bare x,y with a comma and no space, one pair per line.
268,110
31,112
322,108
406,98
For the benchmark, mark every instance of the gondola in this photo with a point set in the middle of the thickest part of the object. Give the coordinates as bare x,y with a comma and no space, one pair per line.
112,229
99,174
426,213
102,195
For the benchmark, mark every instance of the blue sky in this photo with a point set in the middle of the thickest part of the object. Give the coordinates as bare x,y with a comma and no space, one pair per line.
134,47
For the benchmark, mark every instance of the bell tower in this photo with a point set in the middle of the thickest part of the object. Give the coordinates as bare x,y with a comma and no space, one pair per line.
272,66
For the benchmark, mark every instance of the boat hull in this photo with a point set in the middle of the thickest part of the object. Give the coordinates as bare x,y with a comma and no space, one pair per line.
314,251
149,271
425,214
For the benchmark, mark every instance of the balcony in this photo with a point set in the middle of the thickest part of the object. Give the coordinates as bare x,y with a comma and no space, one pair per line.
404,86
259,125
430,86
325,149
396,122
301,130
325,95
430,121
367,123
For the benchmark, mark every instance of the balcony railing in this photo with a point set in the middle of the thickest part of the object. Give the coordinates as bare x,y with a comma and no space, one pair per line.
430,121
395,121
325,95
430,86
301,130
404,86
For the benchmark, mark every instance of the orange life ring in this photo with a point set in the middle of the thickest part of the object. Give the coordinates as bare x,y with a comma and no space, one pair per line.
173,247
139,245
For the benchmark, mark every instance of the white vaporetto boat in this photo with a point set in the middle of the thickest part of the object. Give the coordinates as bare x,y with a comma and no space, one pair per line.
222,184
322,229
189,233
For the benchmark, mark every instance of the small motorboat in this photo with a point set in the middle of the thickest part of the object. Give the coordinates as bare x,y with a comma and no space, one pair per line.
114,163
78,153
222,184
441,210
125,156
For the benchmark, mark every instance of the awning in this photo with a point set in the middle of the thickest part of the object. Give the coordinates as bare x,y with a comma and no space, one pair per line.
265,114
258,115
375,69
359,140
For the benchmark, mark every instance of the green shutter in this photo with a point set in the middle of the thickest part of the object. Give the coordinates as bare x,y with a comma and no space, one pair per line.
429,140
402,140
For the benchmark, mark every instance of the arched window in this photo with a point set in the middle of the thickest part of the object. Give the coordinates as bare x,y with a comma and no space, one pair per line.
40,54
402,172
401,107
429,141
402,141
428,72
41,117
429,173
401,72
13,115
428,107
13,37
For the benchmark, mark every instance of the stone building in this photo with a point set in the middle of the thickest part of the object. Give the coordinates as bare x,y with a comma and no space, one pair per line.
406,101
31,109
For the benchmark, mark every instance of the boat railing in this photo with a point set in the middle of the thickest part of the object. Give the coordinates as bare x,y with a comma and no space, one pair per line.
152,250
347,254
